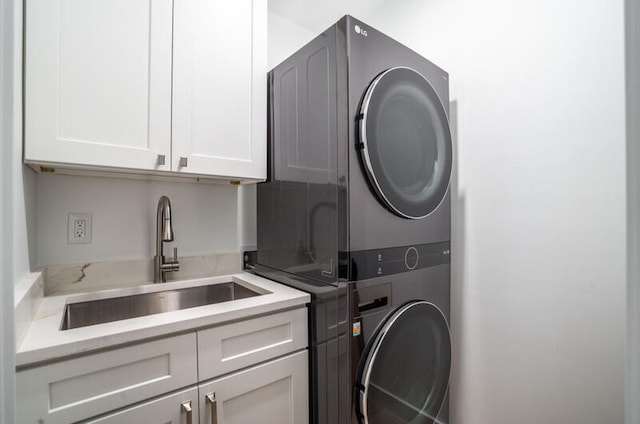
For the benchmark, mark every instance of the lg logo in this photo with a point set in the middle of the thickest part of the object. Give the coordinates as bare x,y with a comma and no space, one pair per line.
360,31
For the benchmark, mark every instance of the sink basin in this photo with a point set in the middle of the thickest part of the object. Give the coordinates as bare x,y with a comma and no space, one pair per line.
82,314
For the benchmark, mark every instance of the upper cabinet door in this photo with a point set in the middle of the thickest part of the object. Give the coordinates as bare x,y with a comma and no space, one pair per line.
219,88
98,82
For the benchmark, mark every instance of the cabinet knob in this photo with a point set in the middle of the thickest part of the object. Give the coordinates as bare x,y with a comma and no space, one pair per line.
211,398
183,162
186,408
160,160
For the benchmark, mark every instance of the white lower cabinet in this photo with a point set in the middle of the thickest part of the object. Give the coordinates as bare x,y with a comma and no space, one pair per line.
254,370
76,389
271,393
245,343
177,408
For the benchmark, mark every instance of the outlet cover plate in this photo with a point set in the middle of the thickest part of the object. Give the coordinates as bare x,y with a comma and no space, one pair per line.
79,228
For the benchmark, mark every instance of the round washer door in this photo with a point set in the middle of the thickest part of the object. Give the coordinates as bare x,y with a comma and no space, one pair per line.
405,374
405,142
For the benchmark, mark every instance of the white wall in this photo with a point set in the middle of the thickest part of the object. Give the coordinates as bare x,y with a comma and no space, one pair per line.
632,415
285,37
7,379
16,191
539,203
247,217
204,216
538,284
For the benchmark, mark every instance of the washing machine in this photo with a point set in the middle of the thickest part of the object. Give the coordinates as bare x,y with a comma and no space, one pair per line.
401,347
357,192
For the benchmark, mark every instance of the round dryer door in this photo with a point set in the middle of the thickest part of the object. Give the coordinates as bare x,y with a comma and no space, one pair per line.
404,373
405,142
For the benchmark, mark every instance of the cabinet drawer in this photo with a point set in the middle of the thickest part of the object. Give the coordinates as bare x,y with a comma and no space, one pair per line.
76,389
238,345
165,410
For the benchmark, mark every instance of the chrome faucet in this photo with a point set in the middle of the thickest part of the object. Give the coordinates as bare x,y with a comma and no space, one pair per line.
164,232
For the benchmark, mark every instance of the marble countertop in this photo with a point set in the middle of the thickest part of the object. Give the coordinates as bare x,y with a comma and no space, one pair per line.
43,341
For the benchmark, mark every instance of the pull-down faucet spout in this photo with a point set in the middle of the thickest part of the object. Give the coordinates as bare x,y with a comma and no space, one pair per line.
164,232
164,221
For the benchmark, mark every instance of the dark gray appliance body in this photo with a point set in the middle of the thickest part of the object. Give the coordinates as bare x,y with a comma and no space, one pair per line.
327,224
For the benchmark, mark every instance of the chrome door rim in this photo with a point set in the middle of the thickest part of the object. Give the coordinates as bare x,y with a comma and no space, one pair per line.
379,338
364,109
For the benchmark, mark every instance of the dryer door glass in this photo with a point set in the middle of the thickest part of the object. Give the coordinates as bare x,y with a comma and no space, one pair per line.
405,375
405,142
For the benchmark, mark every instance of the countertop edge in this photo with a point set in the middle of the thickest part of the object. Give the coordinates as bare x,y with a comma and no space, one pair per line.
43,342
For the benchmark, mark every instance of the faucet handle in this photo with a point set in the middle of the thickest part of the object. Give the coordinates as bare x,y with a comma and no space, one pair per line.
174,265
171,266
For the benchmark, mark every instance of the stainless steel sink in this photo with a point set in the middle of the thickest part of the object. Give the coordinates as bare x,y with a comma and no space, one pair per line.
82,314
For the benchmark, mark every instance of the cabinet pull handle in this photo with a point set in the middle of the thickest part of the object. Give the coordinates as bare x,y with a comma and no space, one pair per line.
211,398
160,160
183,162
186,407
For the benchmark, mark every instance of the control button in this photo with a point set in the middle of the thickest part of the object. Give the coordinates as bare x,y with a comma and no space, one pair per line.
379,257
411,257
380,270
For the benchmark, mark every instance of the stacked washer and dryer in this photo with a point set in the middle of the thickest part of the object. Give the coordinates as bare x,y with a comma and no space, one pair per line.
356,211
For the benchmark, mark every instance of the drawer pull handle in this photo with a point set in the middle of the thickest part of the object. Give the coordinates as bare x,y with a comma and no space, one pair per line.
182,163
211,398
186,407
160,159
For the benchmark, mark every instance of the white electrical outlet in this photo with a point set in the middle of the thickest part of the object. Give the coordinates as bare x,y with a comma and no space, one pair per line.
79,228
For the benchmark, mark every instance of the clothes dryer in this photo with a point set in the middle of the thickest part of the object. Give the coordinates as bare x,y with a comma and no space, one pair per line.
359,157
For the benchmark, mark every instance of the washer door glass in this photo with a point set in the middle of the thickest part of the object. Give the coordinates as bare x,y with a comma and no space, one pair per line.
405,374
405,142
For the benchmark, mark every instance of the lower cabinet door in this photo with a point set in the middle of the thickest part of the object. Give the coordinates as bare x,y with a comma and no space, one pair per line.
276,392
177,408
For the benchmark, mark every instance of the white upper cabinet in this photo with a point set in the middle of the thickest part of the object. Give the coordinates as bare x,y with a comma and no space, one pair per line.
98,82
98,86
219,87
